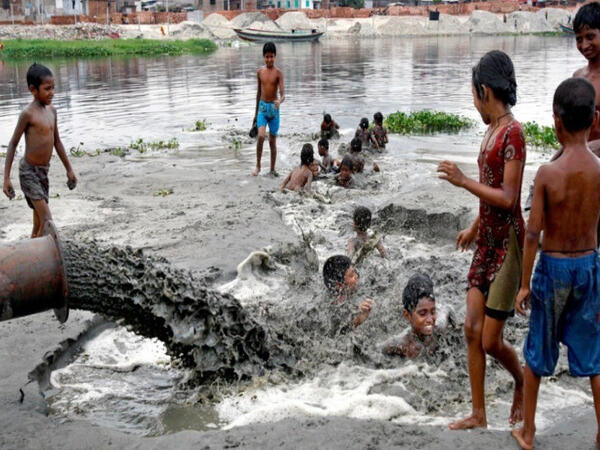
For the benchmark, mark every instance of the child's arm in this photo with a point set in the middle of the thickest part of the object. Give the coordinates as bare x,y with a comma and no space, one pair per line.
351,248
381,248
466,237
363,312
373,140
335,125
532,239
281,91
309,179
286,181
258,94
385,136
24,117
60,150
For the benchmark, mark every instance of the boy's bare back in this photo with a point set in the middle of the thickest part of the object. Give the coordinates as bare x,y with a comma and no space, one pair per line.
299,177
570,192
270,80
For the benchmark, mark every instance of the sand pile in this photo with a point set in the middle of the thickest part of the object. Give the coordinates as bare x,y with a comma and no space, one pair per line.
402,26
484,22
265,26
63,32
556,17
294,20
191,30
219,26
245,20
447,25
527,22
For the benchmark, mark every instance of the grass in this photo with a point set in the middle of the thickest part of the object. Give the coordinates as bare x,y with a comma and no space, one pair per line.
540,136
139,144
426,122
163,192
236,144
200,125
42,48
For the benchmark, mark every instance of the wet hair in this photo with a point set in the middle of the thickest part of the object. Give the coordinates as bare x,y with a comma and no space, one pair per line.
364,123
327,118
334,270
348,162
362,218
356,145
575,104
324,143
588,15
418,287
378,118
495,70
307,155
36,74
269,47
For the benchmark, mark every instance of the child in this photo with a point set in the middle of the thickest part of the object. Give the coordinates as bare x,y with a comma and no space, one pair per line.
270,79
498,231
329,128
342,280
362,222
364,134
314,168
359,163
379,132
39,123
328,164
421,312
301,177
344,178
565,292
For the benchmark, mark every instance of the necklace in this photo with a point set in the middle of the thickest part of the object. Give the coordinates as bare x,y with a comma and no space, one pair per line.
491,131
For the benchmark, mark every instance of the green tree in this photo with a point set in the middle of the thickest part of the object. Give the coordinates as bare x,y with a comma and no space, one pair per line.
354,3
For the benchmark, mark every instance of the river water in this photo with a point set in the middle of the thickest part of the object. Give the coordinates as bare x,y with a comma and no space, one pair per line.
121,380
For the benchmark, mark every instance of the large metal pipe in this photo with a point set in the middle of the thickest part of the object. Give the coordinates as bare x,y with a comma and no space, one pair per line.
32,277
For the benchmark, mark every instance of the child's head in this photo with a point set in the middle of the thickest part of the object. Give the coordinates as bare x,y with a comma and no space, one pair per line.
41,82
269,53
346,168
323,146
364,123
339,275
362,218
587,30
493,80
378,118
307,155
574,106
314,168
327,118
355,145
419,304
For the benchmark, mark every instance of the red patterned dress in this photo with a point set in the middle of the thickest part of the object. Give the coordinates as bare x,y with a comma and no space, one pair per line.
495,223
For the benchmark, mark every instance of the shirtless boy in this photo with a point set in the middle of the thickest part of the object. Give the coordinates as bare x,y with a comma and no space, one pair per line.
39,123
270,81
565,290
362,223
302,176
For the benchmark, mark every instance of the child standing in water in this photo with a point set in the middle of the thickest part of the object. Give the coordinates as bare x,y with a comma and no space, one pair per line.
498,232
362,222
329,128
270,80
302,176
379,132
364,134
565,291
39,123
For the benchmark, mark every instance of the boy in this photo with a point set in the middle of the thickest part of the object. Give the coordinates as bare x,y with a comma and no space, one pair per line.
301,177
344,178
364,134
421,312
359,163
270,80
327,163
329,128
342,280
362,222
565,293
379,132
39,123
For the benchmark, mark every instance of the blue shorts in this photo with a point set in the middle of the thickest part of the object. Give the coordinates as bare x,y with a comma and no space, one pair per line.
565,307
268,115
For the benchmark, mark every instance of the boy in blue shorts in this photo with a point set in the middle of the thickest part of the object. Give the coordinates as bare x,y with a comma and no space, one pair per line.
270,80
565,290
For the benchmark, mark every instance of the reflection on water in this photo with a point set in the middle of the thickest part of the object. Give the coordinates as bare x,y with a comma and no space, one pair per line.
107,102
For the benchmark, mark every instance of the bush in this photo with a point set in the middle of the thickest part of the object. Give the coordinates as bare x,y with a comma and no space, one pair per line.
426,122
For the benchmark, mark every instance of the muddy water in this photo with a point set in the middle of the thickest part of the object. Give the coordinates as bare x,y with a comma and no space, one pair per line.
280,290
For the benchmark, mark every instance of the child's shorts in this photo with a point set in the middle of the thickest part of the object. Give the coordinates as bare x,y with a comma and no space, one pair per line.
565,307
268,115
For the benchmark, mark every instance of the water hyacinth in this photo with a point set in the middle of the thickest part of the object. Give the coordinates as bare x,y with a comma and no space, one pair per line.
540,136
426,122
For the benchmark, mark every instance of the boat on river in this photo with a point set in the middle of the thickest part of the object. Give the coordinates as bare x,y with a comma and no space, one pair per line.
566,29
254,35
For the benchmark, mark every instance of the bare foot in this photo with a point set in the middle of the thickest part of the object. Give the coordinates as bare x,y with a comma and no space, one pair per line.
525,440
273,173
256,171
516,411
469,422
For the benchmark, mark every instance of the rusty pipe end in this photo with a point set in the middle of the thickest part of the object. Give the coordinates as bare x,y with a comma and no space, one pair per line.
62,312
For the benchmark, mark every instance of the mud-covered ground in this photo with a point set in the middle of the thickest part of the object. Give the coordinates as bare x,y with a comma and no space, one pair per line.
214,217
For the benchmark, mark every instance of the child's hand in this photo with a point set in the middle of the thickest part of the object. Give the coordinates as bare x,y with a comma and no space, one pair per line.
363,312
465,239
449,171
523,300
276,103
9,191
72,180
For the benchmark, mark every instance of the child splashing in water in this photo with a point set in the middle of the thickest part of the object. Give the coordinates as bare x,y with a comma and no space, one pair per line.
498,232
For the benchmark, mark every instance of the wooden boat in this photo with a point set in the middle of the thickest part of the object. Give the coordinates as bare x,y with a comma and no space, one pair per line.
566,29
254,35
